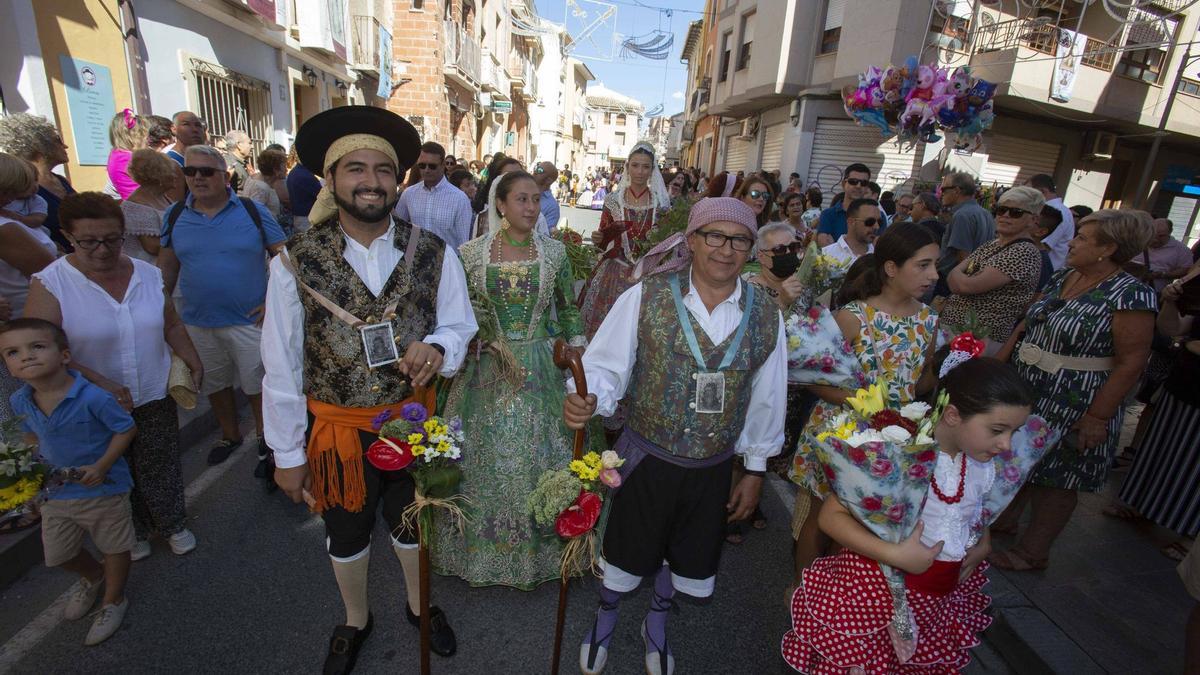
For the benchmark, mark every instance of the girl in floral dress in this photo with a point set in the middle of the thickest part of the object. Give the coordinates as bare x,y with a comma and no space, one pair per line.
630,211
893,334
510,396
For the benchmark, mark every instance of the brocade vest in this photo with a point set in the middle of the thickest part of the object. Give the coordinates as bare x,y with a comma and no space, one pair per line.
661,396
335,367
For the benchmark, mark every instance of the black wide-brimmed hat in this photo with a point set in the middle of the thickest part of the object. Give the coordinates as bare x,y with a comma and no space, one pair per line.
321,130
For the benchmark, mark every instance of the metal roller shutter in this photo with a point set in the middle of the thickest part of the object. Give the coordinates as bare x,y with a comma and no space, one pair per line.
772,153
840,142
1012,160
737,152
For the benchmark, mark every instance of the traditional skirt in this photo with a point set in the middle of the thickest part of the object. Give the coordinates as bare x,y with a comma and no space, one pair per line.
842,610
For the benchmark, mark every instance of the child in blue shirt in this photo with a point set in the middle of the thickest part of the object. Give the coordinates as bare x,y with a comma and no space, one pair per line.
77,425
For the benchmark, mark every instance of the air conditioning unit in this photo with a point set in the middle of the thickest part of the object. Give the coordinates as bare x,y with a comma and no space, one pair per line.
749,129
1100,145
689,131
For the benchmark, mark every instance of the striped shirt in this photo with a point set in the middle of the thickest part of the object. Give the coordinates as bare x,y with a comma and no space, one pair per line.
444,210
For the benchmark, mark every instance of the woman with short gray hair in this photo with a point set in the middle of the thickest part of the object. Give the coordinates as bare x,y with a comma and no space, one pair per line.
1085,344
37,140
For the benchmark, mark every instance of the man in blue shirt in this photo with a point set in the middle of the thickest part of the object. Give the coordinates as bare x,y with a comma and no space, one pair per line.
218,254
434,204
302,187
544,175
189,130
832,225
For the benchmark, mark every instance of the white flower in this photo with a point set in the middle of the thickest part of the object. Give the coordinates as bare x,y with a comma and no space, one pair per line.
923,439
914,411
860,437
610,460
895,434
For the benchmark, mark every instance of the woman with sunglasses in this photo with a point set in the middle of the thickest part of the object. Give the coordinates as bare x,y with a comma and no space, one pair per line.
996,282
1084,346
122,329
758,194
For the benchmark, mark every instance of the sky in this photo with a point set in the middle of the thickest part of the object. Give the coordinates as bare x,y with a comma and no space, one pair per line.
650,81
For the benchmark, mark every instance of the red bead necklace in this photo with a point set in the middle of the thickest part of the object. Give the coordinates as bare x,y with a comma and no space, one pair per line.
962,483
637,197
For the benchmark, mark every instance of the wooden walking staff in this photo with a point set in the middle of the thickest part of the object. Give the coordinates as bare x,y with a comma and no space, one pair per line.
567,358
421,394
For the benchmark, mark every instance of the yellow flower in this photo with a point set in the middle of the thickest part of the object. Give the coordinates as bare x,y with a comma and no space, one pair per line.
578,467
418,450
591,459
430,426
443,447
867,402
793,342
415,438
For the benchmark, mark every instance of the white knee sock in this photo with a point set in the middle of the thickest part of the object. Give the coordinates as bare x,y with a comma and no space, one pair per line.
352,582
410,560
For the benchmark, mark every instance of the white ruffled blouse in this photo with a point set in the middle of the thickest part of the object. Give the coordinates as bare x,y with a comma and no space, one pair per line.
952,523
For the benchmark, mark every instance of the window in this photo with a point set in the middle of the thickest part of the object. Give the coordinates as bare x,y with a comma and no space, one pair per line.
229,101
619,139
418,5
591,146
620,118
833,27
1187,86
608,118
1099,55
1154,34
954,27
747,40
725,38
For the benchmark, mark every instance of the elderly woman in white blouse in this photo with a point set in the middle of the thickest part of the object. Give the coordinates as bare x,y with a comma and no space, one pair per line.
122,329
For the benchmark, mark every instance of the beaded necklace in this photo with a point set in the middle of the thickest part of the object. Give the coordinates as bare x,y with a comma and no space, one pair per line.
962,483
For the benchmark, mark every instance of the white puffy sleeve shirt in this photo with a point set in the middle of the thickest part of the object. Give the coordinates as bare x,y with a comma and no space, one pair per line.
608,365
284,404
952,523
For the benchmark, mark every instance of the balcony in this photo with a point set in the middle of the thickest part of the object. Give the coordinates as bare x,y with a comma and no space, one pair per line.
518,68
492,76
365,49
461,58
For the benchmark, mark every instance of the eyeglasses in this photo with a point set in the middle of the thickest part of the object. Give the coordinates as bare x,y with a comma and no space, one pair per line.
718,239
856,182
758,194
93,244
205,171
1011,211
869,222
428,167
784,249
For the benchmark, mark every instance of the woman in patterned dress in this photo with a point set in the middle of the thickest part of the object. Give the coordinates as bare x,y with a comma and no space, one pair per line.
893,334
630,211
513,428
1086,342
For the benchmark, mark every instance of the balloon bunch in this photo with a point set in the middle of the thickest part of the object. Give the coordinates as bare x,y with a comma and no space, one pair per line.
916,101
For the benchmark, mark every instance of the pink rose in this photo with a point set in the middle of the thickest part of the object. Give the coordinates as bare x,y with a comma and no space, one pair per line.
872,503
881,468
1039,442
1035,425
814,313
827,361
918,471
1012,474
611,478
830,475
895,512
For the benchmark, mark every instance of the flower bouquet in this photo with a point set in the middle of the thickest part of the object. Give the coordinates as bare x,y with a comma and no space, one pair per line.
820,273
581,254
1028,445
878,461
430,449
22,475
818,353
570,500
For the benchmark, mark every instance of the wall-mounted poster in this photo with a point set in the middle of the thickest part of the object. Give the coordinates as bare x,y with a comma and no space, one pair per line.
91,107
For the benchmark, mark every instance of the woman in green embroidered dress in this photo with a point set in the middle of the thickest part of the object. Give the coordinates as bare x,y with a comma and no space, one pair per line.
510,395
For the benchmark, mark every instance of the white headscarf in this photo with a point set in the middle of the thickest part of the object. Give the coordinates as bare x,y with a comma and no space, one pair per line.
659,197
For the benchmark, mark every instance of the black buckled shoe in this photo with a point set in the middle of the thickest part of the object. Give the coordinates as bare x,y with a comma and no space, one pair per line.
441,636
344,646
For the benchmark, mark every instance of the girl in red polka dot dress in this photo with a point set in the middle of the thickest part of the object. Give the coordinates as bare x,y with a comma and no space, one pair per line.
914,604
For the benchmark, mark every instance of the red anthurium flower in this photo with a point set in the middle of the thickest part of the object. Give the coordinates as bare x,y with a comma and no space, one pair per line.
391,454
580,517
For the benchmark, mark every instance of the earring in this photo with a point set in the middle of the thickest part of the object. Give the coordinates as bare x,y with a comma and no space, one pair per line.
504,222
1100,259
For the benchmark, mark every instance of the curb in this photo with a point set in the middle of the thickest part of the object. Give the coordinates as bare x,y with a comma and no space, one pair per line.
1029,642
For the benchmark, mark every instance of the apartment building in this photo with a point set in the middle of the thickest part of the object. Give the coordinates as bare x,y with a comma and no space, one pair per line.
1094,137
556,117
613,121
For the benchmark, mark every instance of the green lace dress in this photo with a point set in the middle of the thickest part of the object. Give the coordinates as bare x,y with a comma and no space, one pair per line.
511,435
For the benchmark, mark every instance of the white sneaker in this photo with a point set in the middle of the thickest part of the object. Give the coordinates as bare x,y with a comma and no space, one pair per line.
108,620
140,550
83,596
182,541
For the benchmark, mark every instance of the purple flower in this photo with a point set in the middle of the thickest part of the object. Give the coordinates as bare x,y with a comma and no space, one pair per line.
1012,474
414,412
456,425
378,420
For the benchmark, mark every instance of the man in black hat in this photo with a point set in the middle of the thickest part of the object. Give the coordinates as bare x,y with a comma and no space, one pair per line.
358,269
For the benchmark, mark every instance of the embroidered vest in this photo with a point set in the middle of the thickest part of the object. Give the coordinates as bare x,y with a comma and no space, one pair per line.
661,397
335,367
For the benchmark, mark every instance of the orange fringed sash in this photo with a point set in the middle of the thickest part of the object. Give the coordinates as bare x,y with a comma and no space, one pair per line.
334,444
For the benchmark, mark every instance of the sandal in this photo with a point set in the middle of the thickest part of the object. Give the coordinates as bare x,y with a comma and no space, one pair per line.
758,521
1176,551
1121,512
735,532
1014,560
22,521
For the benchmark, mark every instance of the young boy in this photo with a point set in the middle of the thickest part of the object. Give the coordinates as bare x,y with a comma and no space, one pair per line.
30,208
78,425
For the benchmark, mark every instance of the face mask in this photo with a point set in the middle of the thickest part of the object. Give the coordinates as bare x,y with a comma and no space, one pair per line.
784,266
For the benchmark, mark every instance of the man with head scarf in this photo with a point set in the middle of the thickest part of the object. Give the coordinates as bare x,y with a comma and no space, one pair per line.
358,269
699,360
